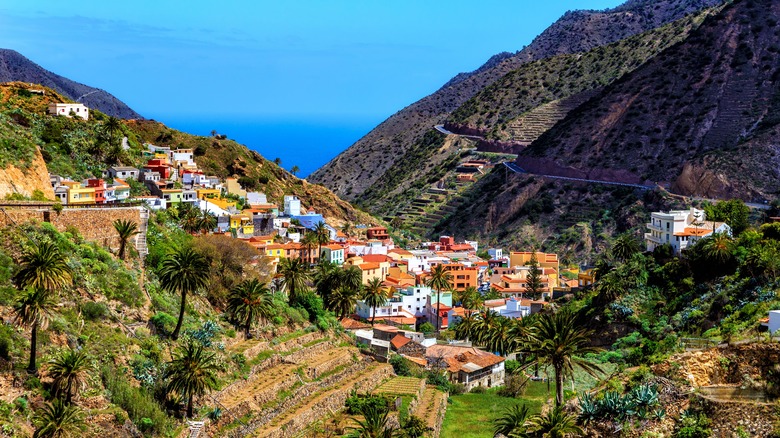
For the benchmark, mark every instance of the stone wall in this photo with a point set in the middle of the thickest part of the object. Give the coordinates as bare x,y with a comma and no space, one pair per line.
755,419
94,224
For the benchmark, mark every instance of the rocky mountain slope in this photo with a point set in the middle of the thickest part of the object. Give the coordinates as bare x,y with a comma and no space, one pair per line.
366,162
15,67
699,115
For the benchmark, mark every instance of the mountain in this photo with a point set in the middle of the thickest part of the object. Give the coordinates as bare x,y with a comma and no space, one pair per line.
15,67
697,116
355,170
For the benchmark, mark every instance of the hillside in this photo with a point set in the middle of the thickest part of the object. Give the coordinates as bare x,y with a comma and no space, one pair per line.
81,149
15,67
695,116
367,161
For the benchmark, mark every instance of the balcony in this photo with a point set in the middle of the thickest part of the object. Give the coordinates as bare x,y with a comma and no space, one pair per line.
651,238
653,227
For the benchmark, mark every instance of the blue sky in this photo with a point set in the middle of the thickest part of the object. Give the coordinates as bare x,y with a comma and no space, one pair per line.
287,60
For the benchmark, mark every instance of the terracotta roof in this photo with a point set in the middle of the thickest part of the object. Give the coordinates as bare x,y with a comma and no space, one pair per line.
495,303
351,324
368,266
468,359
375,258
399,341
333,247
400,251
461,247
385,328
418,360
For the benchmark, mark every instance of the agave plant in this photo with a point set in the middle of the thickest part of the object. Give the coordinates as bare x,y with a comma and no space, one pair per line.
644,396
588,409
659,414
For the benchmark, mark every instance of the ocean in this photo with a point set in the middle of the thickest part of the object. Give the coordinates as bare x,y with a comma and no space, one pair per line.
308,144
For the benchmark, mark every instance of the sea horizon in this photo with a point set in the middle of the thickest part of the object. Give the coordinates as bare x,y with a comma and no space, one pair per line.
308,143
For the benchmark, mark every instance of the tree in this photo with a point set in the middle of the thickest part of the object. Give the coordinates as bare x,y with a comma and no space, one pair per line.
126,229
557,341
734,213
440,279
57,420
207,222
625,246
295,274
414,427
184,270
250,301
469,298
42,271
323,236
374,296
34,309
533,282
278,161
511,420
111,127
191,372
373,424
347,229
308,243
342,301
294,170
718,248
43,267
69,370
554,424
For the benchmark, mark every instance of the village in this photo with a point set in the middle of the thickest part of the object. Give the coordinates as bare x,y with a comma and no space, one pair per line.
512,284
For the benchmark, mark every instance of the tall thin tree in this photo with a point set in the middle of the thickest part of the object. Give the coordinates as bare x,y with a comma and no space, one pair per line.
439,280
295,274
249,302
182,271
374,296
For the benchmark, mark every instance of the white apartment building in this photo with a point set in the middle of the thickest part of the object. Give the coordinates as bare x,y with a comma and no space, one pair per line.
409,301
680,228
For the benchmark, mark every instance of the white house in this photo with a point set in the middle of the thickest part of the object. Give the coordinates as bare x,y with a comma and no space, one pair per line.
69,109
680,229
184,156
410,301
333,254
122,172
292,205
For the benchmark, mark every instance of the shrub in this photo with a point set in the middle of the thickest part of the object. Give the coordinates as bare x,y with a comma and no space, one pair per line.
693,425
94,311
357,404
514,385
139,404
457,388
164,323
478,390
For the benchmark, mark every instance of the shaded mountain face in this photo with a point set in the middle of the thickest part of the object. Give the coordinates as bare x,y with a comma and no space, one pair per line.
355,170
701,116
15,67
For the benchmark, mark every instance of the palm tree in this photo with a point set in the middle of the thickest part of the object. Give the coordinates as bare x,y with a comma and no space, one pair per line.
207,221
295,274
625,246
69,370
554,424
557,341
373,424
111,127
609,287
57,420
34,309
43,267
190,221
278,161
308,243
718,248
126,229
250,301
184,270
192,371
43,270
294,170
469,298
439,280
374,296
347,229
342,301
323,236
511,420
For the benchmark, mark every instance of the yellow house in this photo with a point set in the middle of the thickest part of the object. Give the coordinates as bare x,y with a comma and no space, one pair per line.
242,224
79,195
215,197
546,262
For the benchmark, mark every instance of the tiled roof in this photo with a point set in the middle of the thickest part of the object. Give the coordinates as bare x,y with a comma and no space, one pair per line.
351,324
399,341
468,359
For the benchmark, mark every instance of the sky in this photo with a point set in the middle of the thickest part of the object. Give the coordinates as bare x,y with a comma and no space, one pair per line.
351,63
